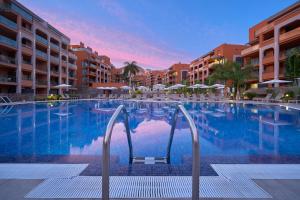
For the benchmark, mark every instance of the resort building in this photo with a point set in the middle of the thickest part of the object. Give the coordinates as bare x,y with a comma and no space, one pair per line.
34,56
154,77
91,67
201,67
270,41
176,74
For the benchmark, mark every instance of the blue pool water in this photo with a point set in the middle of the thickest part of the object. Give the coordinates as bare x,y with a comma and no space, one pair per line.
72,132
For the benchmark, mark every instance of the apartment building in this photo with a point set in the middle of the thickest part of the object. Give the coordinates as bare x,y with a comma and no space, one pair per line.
270,41
154,77
201,67
91,67
177,73
34,56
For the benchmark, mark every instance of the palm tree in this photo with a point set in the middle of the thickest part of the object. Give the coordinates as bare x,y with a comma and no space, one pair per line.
130,69
231,71
293,64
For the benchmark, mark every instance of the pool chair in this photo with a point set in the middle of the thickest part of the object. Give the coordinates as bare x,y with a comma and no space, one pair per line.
182,97
266,98
64,97
202,97
100,96
277,98
143,96
156,97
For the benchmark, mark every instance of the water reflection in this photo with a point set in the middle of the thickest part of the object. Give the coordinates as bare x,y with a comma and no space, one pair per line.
77,128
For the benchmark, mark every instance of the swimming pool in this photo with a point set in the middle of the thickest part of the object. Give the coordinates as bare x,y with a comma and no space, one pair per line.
72,132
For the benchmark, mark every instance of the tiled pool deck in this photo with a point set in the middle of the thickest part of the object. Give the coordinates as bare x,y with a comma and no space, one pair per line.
233,181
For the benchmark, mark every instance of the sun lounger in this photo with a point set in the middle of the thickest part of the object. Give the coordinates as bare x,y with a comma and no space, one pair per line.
277,98
266,98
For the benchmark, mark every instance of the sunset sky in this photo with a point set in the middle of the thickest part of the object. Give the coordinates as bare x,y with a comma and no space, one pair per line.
155,33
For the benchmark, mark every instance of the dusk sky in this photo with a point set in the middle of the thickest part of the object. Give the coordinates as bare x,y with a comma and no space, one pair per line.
155,33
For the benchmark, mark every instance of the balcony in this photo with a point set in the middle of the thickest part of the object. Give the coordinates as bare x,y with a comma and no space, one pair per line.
73,66
54,46
8,61
54,59
53,83
54,72
26,66
93,66
41,54
268,42
27,49
41,40
41,70
41,83
268,75
20,11
289,36
268,60
64,63
26,81
10,80
7,41
8,23
72,55
72,75
250,50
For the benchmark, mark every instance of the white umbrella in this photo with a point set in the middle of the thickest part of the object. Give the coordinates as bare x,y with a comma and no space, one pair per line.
159,87
112,88
62,86
100,88
218,85
126,87
177,86
192,87
198,85
275,81
142,88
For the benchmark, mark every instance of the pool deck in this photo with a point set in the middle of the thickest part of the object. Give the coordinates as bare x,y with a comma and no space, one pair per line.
234,181
279,189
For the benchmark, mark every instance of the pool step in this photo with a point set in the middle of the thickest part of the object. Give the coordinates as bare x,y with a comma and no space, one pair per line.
149,160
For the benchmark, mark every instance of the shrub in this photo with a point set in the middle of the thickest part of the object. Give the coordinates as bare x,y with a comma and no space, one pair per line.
54,97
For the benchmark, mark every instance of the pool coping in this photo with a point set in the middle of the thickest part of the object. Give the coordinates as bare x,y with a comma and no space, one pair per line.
286,105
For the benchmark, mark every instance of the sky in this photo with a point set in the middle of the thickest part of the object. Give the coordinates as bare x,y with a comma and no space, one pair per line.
155,33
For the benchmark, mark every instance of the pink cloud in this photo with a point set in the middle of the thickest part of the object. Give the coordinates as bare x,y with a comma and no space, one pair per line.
120,46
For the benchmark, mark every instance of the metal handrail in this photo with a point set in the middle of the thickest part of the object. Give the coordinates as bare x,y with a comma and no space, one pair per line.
106,148
195,148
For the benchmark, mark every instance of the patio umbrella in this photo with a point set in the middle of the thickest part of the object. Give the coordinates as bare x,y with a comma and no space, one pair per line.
218,85
126,87
177,86
142,88
63,86
198,85
274,81
159,87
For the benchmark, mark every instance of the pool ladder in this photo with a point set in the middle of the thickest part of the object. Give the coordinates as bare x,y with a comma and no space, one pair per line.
106,149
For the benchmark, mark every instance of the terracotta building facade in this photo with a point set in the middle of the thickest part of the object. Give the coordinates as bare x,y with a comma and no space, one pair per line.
270,41
201,67
34,56
91,67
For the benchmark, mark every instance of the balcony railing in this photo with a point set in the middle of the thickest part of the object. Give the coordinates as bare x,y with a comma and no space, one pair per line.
41,54
250,49
8,22
21,11
41,82
40,68
7,59
41,39
8,41
55,59
7,78
54,46
54,83
72,65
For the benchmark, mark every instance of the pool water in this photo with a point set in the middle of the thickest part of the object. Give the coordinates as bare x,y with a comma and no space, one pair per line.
72,132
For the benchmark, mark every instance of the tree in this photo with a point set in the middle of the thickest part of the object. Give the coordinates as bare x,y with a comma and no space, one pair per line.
130,69
293,64
231,71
